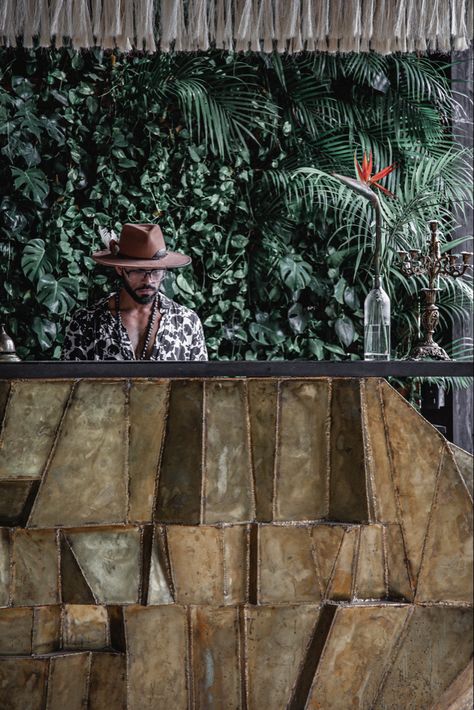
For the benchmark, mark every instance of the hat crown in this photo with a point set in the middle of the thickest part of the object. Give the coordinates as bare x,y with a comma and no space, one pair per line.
141,241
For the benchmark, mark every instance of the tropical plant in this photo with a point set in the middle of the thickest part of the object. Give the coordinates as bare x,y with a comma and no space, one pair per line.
233,155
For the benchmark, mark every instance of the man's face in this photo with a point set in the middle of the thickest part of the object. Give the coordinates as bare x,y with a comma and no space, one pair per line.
142,284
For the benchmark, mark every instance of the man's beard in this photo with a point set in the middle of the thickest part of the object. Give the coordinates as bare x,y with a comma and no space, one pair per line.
143,299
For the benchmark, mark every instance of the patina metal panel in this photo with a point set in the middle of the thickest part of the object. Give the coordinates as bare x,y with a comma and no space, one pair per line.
377,459
160,587
110,561
46,629
15,631
197,563
446,570
228,477
301,466
5,587
25,680
356,655
435,649
179,493
85,627
67,682
13,497
464,463
370,577
148,409
107,689
216,658
262,395
397,568
235,563
35,559
342,580
276,642
348,492
74,587
286,565
31,420
156,639
416,450
327,540
86,480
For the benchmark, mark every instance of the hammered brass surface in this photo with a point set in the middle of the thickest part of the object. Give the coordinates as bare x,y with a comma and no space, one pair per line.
84,627
277,638
287,572
240,544
91,449
110,561
67,682
301,466
216,658
148,407
180,481
262,396
357,653
35,564
416,449
30,423
156,639
228,494
436,647
348,487
446,570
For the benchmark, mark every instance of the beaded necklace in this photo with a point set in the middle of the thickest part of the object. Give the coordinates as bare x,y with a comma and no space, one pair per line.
149,328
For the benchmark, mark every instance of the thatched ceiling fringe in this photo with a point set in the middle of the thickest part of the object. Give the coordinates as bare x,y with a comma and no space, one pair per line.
384,26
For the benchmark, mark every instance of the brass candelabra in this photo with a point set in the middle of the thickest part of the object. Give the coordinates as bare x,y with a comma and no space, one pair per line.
433,263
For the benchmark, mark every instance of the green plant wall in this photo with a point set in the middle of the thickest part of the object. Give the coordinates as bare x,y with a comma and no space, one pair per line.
209,145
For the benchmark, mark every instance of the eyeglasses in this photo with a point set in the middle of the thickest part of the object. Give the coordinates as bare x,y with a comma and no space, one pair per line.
154,274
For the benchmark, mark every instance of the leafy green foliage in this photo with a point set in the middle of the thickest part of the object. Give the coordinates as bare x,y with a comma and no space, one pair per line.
232,155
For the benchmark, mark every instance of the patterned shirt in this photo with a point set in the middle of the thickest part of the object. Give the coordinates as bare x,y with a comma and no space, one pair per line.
96,334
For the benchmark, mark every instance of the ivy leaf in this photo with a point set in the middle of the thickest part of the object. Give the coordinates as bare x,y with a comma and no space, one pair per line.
339,289
315,346
269,333
297,318
32,182
46,331
345,330
295,272
34,261
57,295
351,299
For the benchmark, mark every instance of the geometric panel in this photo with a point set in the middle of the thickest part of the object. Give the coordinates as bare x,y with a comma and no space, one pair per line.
110,562
437,645
342,580
287,572
276,641
15,631
4,566
464,462
85,627
370,577
301,465
348,493
23,679
148,405
179,490
35,559
262,395
107,688
74,588
397,571
216,662
86,479
416,461
160,590
446,570
46,629
156,657
227,470
67,683
356,654
31,420
327,541
13,497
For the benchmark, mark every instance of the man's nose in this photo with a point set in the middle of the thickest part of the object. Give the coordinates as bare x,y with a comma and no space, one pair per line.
147,275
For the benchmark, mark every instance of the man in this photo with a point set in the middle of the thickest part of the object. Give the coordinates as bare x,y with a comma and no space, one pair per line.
137,322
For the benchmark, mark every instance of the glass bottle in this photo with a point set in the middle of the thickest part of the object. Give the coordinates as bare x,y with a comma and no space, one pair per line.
377,324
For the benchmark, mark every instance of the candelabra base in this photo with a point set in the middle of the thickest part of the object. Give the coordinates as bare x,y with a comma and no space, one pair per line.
432,350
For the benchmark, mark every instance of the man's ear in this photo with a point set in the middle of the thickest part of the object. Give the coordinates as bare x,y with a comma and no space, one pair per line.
119,270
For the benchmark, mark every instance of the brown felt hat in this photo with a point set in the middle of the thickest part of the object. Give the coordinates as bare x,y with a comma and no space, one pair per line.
141,246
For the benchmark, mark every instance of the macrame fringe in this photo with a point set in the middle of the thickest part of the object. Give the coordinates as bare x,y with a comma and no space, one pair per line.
383,26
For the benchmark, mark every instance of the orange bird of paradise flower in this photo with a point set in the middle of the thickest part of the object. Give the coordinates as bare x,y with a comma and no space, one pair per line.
364,173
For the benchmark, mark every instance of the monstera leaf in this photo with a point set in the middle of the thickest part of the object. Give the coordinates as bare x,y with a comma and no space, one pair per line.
34,261
57,295
46,332
32,182
295,272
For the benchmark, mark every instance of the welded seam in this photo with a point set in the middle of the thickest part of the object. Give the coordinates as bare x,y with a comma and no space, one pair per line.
156,487
276,463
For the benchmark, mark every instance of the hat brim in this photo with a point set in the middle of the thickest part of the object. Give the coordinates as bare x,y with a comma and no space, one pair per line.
172,260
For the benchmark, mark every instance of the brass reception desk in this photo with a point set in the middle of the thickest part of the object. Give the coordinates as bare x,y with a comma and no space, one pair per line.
229,542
